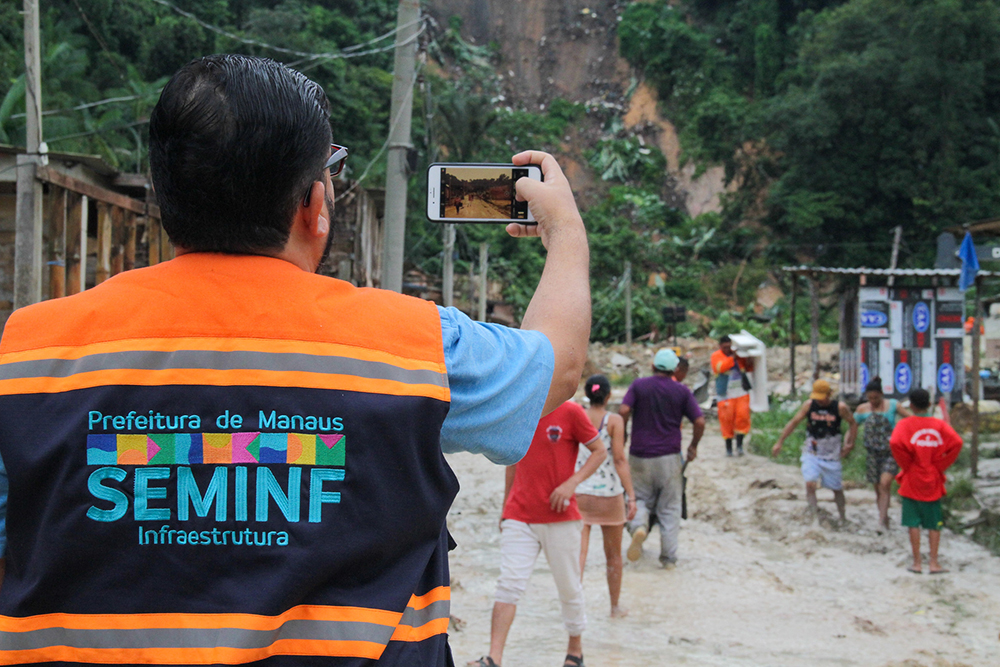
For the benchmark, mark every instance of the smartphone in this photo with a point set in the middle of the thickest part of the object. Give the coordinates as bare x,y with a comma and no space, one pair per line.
477,192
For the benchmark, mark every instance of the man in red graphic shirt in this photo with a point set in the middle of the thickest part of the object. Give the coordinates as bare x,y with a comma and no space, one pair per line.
540,514
924,447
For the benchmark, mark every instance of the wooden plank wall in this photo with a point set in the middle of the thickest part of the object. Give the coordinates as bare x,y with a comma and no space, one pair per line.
123,225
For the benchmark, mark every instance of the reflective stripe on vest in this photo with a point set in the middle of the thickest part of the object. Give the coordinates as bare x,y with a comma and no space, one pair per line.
225,362
220,638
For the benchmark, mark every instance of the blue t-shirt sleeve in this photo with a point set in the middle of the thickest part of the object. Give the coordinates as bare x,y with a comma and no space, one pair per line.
499,378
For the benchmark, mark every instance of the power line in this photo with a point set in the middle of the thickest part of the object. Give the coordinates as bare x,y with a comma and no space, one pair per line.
385,144
100,131
88,105
347,52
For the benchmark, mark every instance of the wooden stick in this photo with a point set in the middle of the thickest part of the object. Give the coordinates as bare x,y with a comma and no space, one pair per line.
57,227
128,252
76,249
117,240
153,240
103,243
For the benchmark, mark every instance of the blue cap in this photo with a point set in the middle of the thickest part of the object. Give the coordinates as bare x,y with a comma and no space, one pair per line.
665,360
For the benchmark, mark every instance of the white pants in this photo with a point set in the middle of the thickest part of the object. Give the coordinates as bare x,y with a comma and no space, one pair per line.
519,546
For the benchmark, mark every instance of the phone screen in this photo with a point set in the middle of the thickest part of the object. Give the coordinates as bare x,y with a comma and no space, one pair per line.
481,193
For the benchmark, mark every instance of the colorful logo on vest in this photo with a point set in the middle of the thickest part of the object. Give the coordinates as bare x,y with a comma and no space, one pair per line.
105,449
554,433
263,480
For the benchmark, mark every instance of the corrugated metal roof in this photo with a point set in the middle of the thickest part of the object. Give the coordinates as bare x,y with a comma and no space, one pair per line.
867,271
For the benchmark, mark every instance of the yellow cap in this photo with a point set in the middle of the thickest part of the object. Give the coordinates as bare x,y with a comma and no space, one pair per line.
821,390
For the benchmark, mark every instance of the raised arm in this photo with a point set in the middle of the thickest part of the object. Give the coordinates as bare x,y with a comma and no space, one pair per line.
560,307
789,427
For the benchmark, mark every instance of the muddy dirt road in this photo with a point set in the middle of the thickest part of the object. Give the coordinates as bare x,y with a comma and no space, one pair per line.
757,583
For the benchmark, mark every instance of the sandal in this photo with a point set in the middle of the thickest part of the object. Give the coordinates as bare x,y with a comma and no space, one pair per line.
485,661
573,661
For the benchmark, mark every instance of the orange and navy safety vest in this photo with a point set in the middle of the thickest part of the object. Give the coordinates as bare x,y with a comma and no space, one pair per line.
225,460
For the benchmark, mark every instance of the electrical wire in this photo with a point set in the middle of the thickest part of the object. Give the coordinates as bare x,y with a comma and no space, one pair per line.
100,131
88,105
385,144
347,52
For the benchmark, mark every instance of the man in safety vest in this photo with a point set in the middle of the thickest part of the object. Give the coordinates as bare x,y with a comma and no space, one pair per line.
733,397
228,459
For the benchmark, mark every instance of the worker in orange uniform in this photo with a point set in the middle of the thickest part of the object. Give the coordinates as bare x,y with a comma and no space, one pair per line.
733,391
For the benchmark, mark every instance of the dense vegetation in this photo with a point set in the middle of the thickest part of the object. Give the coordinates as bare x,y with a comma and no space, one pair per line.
839,120
835,120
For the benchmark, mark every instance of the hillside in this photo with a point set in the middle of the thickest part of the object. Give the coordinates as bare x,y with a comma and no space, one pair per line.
569,49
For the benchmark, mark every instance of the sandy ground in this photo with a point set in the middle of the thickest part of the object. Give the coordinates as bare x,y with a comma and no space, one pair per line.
757,583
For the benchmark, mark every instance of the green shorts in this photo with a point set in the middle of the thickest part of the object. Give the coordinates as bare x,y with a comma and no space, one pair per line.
922,514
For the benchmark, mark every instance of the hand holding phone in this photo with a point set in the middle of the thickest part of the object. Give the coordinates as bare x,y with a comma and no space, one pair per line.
551,200
477,192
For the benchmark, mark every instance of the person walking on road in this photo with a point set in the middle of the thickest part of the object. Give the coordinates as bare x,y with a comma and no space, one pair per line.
540,514
599,497
924,447
659,404
733,394
879,417
823,448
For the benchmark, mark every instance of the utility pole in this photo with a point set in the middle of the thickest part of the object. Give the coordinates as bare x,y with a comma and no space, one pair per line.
28,224
814,328
898,231
407,25
448,288
628,302
484,267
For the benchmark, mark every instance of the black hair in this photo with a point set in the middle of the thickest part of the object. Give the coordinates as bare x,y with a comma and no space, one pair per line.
920,399
682,363
725,339
875,384
597,388
234,144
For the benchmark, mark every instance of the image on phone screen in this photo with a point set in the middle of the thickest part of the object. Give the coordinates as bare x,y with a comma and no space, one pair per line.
481,193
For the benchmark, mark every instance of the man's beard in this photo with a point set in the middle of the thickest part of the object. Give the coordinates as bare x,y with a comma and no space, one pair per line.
329,235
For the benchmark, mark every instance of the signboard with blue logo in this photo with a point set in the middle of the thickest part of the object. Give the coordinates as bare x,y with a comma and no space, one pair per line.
951,369
946,378
874,319
921,317
911,337
903,378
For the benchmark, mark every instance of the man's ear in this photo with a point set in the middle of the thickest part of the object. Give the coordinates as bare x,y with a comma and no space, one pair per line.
310,212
